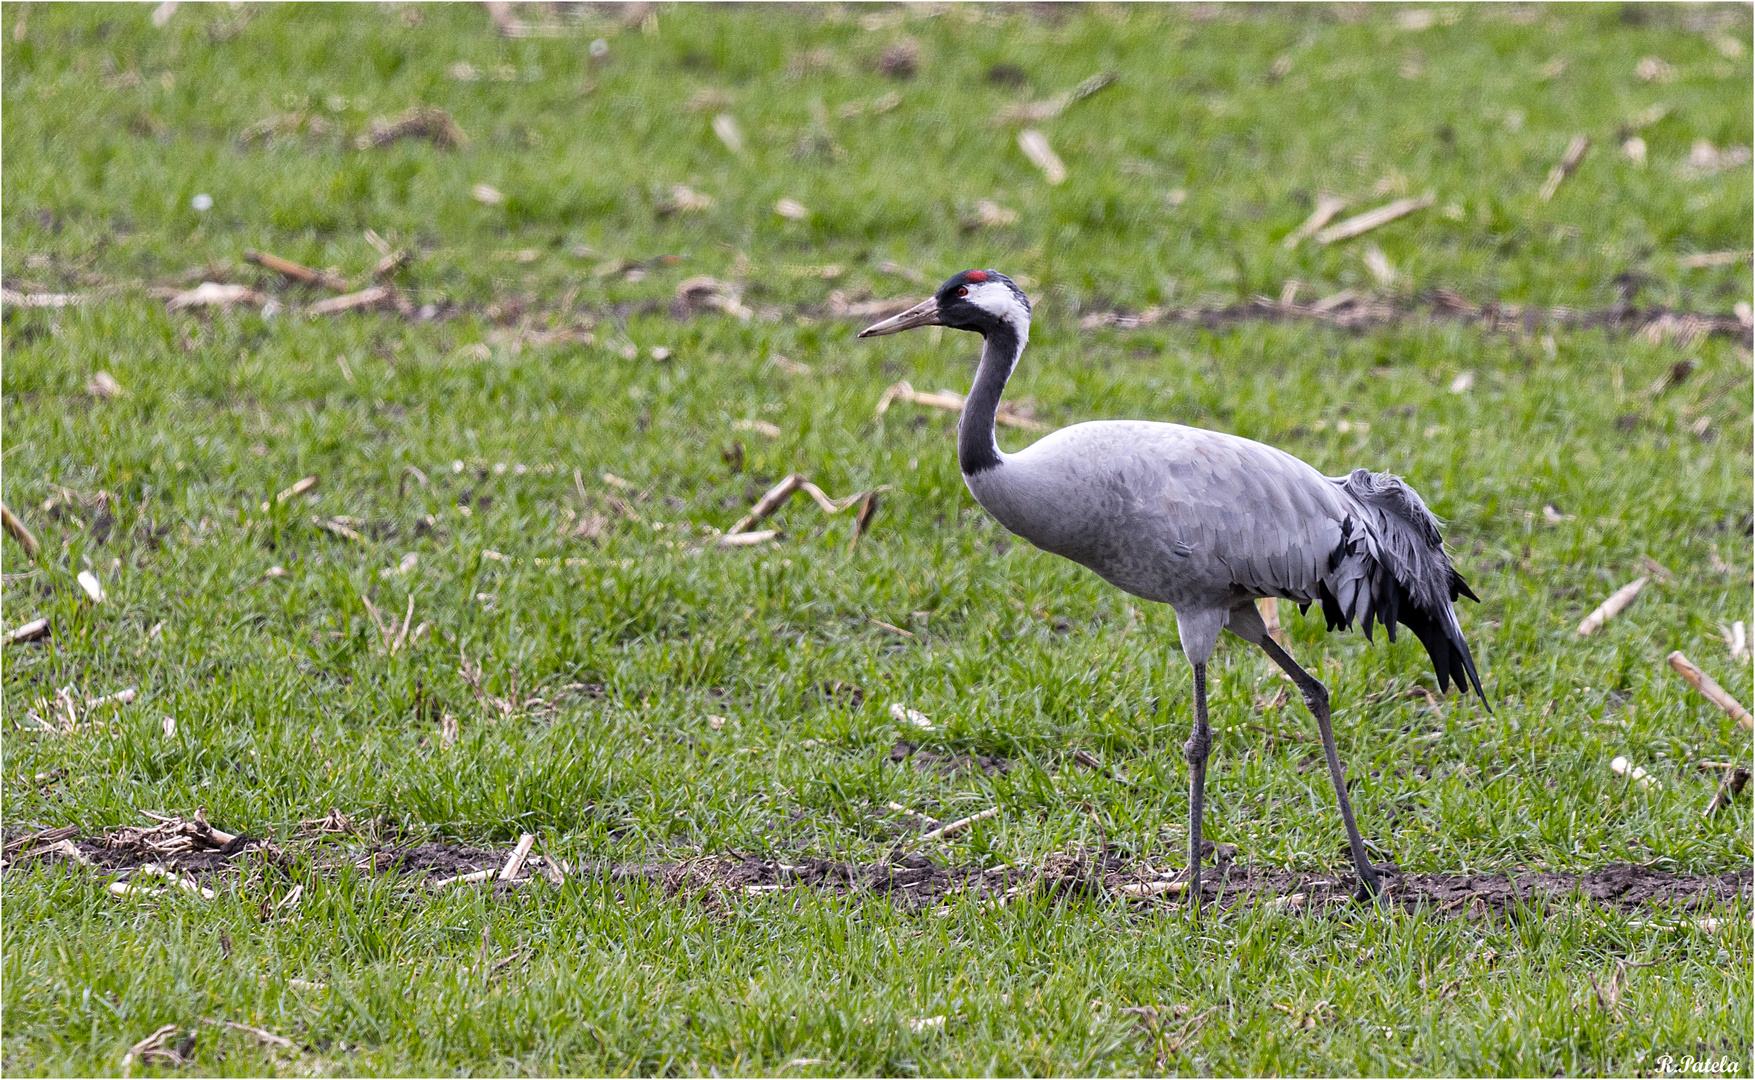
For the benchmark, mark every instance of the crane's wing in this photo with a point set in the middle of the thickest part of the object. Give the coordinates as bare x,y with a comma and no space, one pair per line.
1194,517
1182,515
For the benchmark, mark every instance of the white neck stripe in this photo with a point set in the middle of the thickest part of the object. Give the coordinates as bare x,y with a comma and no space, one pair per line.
997,299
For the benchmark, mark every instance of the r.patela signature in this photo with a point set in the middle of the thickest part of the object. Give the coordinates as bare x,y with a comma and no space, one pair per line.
1688,1063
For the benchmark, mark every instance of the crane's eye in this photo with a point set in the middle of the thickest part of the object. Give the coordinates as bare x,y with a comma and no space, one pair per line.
962,290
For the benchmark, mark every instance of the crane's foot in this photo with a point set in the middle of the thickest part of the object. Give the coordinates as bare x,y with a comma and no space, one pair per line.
1371,884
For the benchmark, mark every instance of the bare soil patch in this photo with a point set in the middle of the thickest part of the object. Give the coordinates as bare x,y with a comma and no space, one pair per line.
917,882
947,764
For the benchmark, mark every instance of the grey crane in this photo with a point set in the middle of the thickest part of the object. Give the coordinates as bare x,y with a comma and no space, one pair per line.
1206,522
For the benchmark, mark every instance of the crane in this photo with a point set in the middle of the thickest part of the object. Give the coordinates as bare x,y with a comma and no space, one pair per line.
1208,523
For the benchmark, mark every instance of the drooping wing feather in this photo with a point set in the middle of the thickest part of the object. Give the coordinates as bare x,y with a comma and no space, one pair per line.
1392,567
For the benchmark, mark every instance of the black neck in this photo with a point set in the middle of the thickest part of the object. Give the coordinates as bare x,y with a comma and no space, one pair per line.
977,449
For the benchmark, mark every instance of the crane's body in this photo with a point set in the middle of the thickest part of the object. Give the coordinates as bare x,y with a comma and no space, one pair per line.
1206,522
1143,505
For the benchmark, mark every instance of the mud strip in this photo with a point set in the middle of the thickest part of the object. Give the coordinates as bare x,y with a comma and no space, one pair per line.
915,882
1349,311
527,322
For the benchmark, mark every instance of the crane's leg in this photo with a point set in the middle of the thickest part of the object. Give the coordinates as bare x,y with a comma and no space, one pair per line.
1196,749
1198,630
1316,700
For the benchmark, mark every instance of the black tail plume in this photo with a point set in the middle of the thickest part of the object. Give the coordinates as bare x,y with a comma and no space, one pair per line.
1391,568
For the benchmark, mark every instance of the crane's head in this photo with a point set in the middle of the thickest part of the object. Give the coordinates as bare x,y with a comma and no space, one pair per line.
982,301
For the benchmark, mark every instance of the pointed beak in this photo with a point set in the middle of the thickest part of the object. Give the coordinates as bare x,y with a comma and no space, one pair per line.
924,313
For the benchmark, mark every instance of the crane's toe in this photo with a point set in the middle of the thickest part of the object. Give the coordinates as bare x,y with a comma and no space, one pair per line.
1371,885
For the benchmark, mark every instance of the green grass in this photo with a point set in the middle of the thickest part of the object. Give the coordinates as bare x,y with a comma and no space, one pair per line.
287,705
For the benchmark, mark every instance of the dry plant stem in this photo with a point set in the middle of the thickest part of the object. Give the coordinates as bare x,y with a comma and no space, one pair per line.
1054,106
40,300
515,863
1187,1032
890,627
769,502
466,879
1270,617
1657,570
18,532
1735,780
901,391
267,1037
120,697
1371,219
122,888
288,268
186,884
1569,161
828,505
348,302
220,836
340,530
1710,689
420,122
1329,303
950,402
291,899
955,827
30,631
1154,888
931,822
1611,607
862,520
144,1046
553,871
196,826
1035,146
391,263
377,620
1712,258
215,294
402,634
777,495
46,837
298,487
1327,206
66,848
1089,760
62,847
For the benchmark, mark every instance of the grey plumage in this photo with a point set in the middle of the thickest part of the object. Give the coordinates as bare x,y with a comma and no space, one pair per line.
1208,523
1205,521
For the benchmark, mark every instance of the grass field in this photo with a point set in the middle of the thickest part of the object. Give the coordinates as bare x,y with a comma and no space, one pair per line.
664,696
